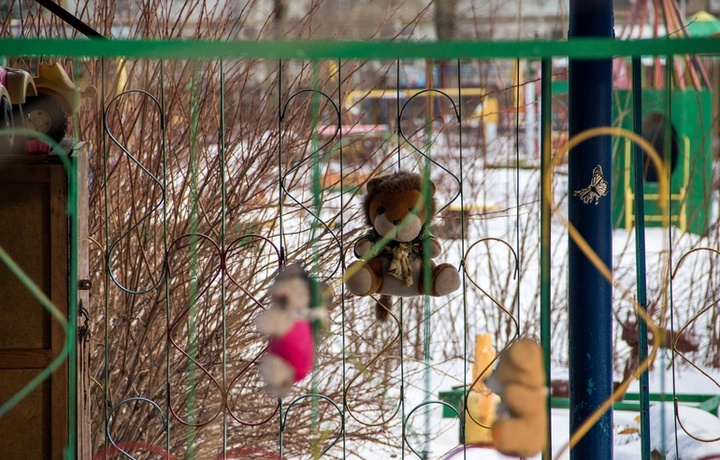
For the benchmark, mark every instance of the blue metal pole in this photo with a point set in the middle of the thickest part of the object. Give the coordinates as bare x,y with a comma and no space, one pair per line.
589,210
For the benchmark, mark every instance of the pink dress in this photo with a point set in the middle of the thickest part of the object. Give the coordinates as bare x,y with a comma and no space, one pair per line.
296,347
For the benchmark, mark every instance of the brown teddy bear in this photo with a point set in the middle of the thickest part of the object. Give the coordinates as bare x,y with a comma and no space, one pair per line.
520,428
397,250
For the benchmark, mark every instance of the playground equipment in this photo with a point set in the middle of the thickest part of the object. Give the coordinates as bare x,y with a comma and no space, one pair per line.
57,98
687,151
41,103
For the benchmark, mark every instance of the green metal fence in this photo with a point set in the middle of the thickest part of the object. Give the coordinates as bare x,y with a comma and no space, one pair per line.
211,168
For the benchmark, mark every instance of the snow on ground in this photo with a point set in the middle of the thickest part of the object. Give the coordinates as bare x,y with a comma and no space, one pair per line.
698,423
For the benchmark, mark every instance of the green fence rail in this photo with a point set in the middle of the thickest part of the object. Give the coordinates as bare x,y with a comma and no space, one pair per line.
319,49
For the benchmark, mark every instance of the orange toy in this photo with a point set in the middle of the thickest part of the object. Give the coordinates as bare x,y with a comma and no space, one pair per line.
481,402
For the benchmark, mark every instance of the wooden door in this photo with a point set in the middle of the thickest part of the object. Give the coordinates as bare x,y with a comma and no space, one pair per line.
34,232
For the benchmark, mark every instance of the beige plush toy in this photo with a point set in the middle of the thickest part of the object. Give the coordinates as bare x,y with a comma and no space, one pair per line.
292,324
521,427
397,250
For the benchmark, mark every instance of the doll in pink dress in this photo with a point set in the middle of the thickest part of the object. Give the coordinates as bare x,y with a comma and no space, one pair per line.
291,325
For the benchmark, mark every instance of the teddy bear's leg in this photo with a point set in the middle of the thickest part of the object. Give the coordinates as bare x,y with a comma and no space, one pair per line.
362,279
521,438
382,307
277,374
445,279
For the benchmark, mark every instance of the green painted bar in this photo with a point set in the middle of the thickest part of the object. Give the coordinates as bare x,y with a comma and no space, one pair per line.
683,398
630,402
325,49
709,404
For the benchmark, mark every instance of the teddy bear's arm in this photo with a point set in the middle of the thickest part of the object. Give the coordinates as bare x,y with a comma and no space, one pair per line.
362,246
320,314
274,323
435,248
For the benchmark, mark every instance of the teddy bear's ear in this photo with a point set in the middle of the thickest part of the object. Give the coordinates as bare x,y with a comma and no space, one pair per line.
293,270
432,188
372,183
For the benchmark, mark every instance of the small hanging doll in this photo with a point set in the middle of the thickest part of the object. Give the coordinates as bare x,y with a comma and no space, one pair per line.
291,324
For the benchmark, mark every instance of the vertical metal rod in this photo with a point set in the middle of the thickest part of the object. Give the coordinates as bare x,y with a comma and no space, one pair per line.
545,215
461,417
589,293
518,247
398,107
427,360
194,248
163,133
281,428
316,187
71,170
640,258
280,115
223,233
106,271
427,318
401,331
342,241
667,293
